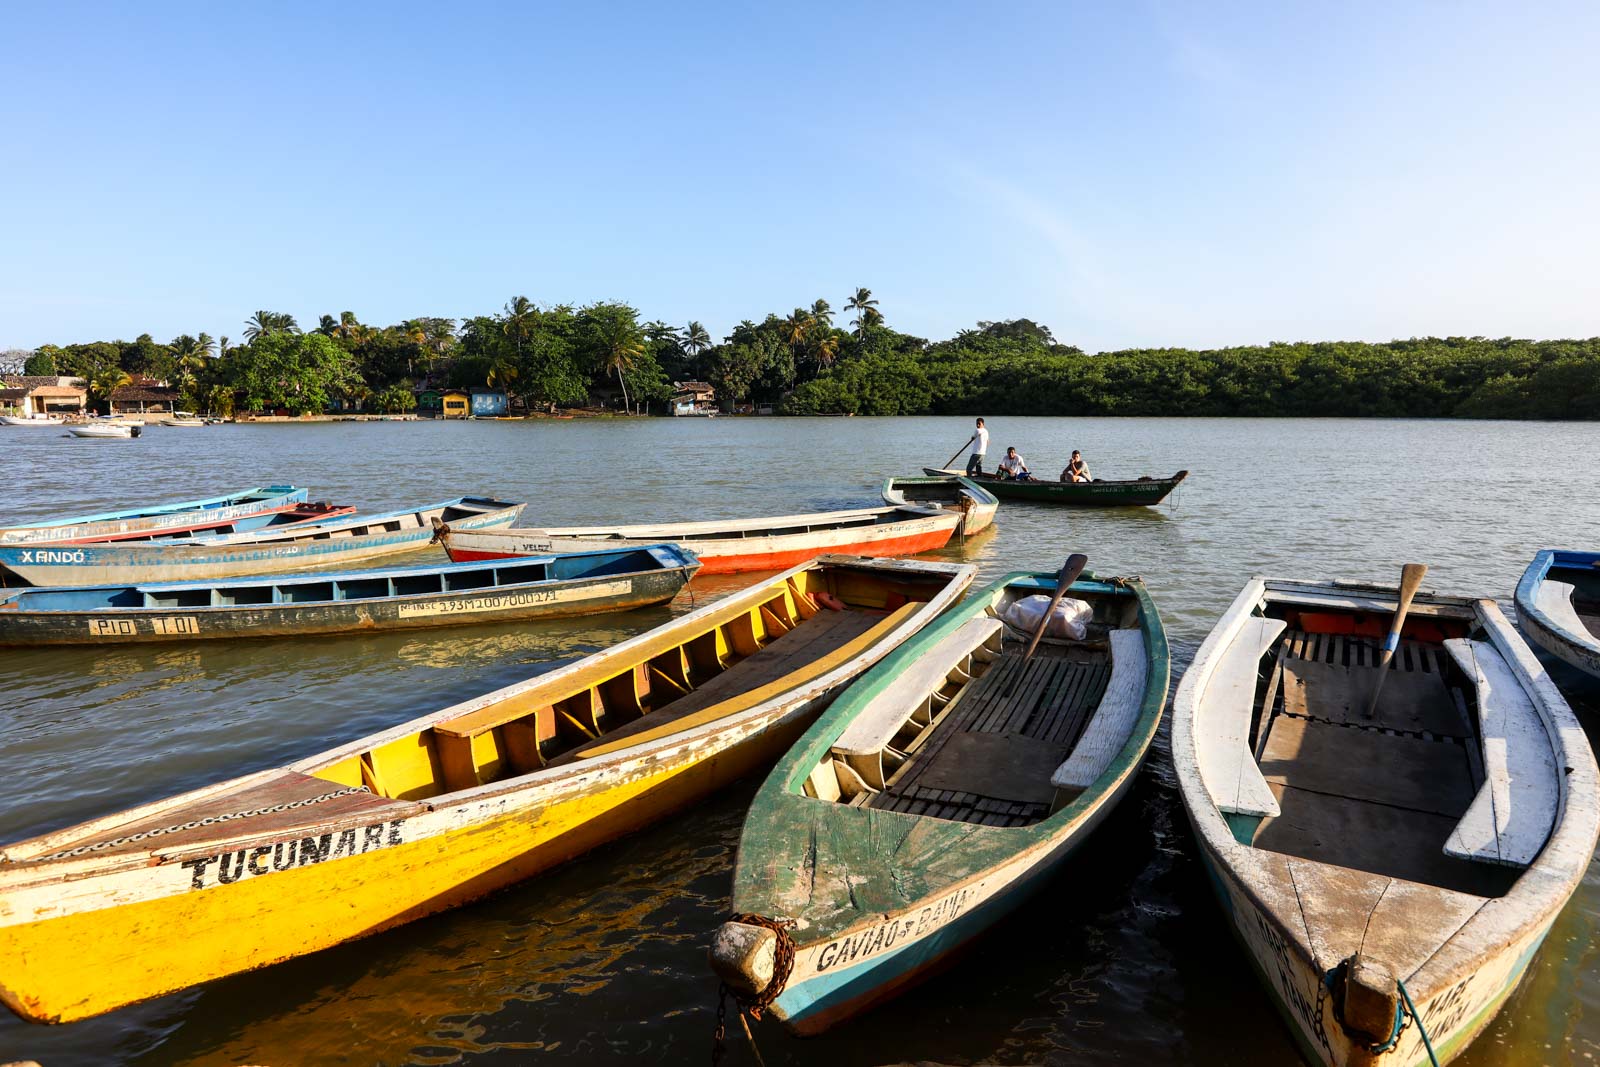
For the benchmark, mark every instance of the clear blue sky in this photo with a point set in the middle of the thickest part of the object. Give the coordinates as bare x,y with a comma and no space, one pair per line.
1135,174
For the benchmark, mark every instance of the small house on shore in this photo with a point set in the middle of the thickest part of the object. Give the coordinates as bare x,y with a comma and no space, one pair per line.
455,403
693,398
143,397
43,394
488,403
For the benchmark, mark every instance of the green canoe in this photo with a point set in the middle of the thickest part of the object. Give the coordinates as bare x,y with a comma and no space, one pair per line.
1096,494
942,788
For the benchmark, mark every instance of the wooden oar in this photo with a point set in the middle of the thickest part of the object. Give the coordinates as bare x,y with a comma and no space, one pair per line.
1410,578
1069,574
952,459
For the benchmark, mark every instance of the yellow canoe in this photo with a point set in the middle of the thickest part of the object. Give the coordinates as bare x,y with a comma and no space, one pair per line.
448,807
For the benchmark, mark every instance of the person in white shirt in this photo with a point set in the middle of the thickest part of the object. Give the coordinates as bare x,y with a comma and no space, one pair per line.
1014,468
1077,470
980,445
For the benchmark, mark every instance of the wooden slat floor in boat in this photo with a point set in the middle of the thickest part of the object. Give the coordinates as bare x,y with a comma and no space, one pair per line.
1379,795
269,798
1033,712
813,638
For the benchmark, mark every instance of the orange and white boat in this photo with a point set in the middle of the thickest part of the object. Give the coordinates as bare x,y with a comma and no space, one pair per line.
731,545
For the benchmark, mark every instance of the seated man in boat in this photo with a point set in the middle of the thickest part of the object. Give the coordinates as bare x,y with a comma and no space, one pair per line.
1012,468
1077,470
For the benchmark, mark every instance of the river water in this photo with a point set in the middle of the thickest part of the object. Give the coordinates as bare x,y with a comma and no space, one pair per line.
1123,959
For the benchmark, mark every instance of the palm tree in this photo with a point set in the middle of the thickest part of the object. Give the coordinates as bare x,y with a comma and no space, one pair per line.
521,319
502,373
695,339
822,311
108,381
620,343
266,323
827,349
327,326
866,309
797,327
207,346
223,348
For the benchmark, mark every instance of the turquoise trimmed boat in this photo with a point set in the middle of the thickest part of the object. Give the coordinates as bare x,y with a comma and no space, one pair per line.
247,509
322,544
1558,604
939,791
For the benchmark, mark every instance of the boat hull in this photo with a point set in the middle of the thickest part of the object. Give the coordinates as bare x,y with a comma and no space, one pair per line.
253,907
975,505
1142,492
535,600
238,508
1581,650
1454,1016
109,433
734,555
110,564
821,994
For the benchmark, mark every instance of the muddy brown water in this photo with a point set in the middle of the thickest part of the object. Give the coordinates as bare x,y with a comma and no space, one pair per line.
1123,959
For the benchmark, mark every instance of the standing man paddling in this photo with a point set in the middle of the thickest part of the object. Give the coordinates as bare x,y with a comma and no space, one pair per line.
980,445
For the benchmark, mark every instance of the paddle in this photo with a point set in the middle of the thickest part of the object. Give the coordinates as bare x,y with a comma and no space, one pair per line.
1069,574
952,459
1410,577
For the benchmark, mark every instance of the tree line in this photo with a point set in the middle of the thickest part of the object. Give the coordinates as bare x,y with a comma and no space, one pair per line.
808,363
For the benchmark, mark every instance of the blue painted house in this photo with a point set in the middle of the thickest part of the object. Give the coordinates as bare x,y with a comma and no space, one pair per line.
488,403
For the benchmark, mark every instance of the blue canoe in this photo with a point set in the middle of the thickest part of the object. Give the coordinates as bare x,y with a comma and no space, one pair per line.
324,544
246,509
1558,604
406,598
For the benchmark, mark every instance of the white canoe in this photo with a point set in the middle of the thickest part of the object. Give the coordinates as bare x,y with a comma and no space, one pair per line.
975,504
1392,877
18,420
731,545
1558,604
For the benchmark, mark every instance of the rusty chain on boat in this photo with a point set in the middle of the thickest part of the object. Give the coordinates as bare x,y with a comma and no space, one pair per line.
209,820
782,966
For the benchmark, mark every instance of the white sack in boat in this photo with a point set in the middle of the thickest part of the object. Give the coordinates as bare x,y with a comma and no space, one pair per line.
1070,619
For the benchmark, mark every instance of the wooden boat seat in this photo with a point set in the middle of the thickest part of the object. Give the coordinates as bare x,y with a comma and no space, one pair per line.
916,692
988,757
834,638
1113,720
1555,600
1227,764
1503,826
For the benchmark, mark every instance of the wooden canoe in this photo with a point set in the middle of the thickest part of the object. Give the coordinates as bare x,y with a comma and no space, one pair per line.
1558,604
1389,877
236,508
257,552
975,504
1096,494
447,807
406,598
732,545
936,794
273,519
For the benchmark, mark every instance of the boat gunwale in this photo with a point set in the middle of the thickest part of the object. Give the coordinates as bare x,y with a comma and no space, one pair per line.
824,520
270,495
1147,482
1538,894
1527,602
